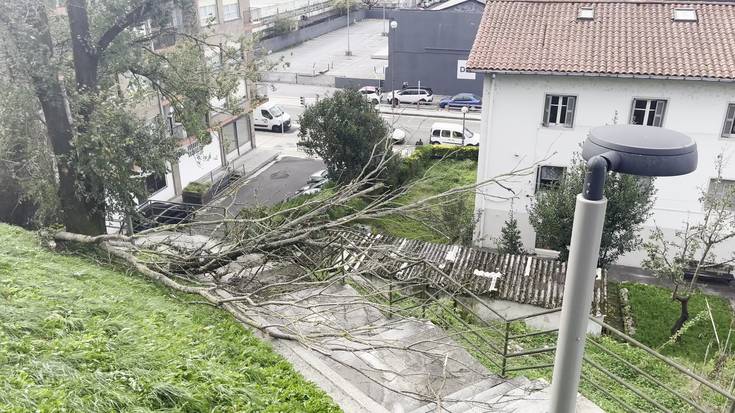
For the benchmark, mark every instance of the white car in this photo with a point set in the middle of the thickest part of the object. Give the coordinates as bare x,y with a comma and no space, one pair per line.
452,134
410,95
317,176
372,94
398,136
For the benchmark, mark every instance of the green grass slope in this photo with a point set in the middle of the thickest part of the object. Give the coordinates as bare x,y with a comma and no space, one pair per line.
77,337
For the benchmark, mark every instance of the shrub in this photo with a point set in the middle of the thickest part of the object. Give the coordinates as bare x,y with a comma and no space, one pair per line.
197,187
415,164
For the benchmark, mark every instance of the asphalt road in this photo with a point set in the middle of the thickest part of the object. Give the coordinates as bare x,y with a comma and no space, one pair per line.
272,185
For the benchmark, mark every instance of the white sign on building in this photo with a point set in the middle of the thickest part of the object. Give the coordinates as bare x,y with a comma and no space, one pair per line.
462,72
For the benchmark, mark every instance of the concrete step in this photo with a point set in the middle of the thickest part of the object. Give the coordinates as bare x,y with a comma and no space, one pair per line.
461,394
484,400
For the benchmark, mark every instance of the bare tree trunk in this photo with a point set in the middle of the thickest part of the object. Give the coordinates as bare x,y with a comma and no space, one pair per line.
684,314
82,215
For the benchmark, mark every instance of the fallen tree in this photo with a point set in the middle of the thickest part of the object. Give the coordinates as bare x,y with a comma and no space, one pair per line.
297,273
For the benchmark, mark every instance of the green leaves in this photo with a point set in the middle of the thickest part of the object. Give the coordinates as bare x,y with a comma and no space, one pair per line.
347,132
630,200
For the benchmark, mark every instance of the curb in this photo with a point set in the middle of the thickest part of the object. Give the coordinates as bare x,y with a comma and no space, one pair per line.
428,113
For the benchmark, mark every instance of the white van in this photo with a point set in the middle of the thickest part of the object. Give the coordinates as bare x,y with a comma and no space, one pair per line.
451,134
270,116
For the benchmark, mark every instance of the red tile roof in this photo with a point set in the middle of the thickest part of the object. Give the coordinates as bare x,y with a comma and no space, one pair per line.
624,38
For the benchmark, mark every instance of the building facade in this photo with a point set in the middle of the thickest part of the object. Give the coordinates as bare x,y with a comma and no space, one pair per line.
223,22
543,92
430,47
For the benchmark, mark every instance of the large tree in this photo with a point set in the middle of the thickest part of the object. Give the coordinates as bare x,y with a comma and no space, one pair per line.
629,202
88,70
347,132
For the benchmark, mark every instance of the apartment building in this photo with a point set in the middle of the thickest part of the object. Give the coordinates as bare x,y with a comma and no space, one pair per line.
554,69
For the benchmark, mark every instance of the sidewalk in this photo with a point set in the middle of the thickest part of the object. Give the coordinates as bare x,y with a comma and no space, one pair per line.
246,164
427,111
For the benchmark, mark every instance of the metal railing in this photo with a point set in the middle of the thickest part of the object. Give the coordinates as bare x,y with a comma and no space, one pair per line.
506,345
152,214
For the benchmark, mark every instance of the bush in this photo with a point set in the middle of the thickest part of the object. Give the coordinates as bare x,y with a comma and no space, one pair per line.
197,187
415,164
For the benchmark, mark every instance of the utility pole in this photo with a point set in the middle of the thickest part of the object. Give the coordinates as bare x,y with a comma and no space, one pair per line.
348,52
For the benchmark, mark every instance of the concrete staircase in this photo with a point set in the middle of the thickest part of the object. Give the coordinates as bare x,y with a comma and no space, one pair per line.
403,365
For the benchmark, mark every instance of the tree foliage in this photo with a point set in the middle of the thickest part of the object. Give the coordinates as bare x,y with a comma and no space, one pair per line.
629,202
95,70
510,237
692,247
345,131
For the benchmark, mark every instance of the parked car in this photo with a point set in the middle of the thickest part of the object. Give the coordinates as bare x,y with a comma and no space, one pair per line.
460,100
372,94
410,95
313,188
272,117
317,176
398,136
452,134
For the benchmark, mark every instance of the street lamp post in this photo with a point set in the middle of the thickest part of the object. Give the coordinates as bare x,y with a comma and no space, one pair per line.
464,116
385,31
348,52
393,65
628,149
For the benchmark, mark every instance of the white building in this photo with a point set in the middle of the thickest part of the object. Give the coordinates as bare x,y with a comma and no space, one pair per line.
224,21
555,69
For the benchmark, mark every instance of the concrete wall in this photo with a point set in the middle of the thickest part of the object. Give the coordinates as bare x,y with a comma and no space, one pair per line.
513,136
426,46
510,309
303,34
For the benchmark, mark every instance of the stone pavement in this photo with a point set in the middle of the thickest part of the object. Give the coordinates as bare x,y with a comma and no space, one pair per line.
327,53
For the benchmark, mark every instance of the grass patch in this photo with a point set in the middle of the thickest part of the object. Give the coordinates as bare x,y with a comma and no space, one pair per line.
654,312
442,176
78,337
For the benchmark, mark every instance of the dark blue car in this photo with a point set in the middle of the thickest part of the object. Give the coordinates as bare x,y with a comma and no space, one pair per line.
462,99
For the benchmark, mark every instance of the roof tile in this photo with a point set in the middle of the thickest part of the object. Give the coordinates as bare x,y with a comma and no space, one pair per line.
624,38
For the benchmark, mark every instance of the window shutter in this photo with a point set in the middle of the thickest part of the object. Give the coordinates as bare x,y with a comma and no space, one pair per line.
632,113
547,107
658,117
729,119
569,120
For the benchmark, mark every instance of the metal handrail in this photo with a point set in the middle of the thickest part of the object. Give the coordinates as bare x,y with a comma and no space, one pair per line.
646,375
611,396
459,289
666,360
612,376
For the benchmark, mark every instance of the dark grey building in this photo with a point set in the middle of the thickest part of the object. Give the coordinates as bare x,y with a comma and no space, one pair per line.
431,47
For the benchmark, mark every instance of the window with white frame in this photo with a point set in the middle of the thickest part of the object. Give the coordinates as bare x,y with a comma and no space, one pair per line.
648,112
207,12
721,189
549,177
559,110
230,10
728,130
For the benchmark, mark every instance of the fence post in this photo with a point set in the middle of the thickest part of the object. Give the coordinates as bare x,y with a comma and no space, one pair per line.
425,299
505,348
390,299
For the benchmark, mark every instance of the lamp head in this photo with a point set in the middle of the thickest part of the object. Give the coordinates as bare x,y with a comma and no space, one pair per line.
642,150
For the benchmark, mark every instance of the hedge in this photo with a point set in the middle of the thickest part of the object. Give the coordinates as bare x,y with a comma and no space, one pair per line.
415,164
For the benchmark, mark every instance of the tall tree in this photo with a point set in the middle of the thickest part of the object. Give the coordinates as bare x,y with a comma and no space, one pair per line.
692,248
96,137
347,132
629,202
